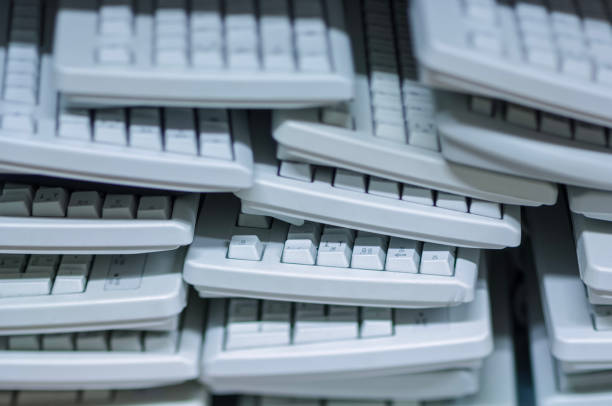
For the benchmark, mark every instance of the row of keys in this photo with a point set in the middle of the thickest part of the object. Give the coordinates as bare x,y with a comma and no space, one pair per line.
338,247
23,57
44,397
260,323
116,340
275,35
43,274
349,180
280,401
400,106
541,121
23,200
573,38
48,274
185,131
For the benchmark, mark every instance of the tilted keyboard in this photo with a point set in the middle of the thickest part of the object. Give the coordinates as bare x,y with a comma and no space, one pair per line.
174,148
348,199
56,218
553,55
188,394
579,333
53,293
247,53
237,254
389,130
521,141
315,342
117,359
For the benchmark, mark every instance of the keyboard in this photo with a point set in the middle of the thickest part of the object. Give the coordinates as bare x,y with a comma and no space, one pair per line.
188,394
204,53
56,294
250,342
117,359
291,190
580,334
497,376
553,386
591,203
238,254
517,140
389,129
553,56
58,218
175,148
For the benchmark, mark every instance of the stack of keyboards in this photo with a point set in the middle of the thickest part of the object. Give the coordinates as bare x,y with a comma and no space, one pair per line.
303,202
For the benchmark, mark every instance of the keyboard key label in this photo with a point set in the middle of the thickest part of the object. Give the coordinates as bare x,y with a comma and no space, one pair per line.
125,272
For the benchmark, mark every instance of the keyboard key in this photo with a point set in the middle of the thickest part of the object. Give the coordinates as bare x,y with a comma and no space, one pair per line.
50,202
383,187
481,105
376,322
119,206
451,202
437,259
556,125
24,343
403,255
85,205
12,263
276,322
44,397
154,207
126,340
114,54
334,250
247,247
523,116
57,342
161,341
296,170
42,263
70,278
110,126
254,221
16,200
349,180
180,133
25,284
214,135
418,195
337,117
310,321
369,253
590,133
300,251
75,124
487,209
145,129
92,341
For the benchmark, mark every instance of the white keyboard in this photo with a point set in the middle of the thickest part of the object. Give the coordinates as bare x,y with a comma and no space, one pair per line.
117,359
247,53
552,386
57,219
287,190
591,203
250,342
188,394
497,376
175,148
517,140
237,254
53,293
389,129
553,55
580,334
